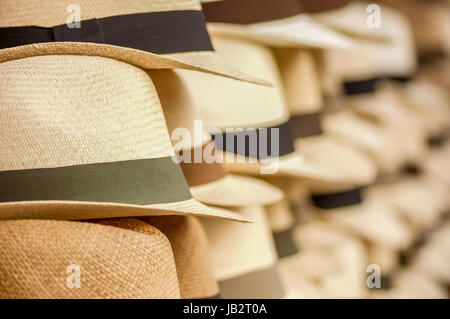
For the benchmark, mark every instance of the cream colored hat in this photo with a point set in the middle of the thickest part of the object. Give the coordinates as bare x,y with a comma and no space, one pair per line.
149,34
244,258
44,258
94,145
331,259
253,111
273,23
208,181
353,19
303,93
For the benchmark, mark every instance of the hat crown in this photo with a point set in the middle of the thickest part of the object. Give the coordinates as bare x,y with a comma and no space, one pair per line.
55,12
71,110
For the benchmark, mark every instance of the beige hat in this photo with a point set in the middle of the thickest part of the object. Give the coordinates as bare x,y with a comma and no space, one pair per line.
272,23
44,258
330,258
299,73
208,181
253,111
93,145
430,23
352,19
244,258
147,34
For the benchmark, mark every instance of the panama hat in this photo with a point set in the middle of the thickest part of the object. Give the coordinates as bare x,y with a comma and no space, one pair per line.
93,145
40,258
208,181
415,200
192,255
304,98
273,23
330,258
244,258
352,19
147,34
429,21
252,111
350,129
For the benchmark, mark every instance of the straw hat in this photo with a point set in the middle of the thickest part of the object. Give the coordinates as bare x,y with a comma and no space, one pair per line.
192,255
304,98
208,181
352,19
244,258
430,23
273,23
93,145
330,258
38,260
147,34
255,110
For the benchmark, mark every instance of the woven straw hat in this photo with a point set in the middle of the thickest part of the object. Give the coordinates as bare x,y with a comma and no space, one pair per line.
272,23
224,105
37,256
208,181
244,258
304,99
190,251
149,34
93,145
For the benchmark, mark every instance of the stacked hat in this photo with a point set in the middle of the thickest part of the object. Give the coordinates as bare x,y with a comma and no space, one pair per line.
242,149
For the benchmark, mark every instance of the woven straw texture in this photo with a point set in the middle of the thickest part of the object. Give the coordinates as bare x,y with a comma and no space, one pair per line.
85,109
191,251
114,263
54,12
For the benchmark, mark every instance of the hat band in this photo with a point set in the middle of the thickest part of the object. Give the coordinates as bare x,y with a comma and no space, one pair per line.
156,32
135,182
261,143
336,200
254,11
201,173
284,243
306,125
360,87
259,284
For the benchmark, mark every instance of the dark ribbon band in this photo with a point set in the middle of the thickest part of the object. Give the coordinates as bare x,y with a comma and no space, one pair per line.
360,87
197,174
137,182
261,284
336,200
254,11
284,243
156,32
260,143
306,125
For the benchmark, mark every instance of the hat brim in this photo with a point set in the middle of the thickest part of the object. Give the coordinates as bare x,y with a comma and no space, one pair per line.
75,210
318,169
297,31
207,62
234,191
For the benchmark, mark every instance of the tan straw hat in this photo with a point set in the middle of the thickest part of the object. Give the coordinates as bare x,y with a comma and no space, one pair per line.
253,111
66,259
94,145
149,34
244,258
208,180
274,23
190,250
